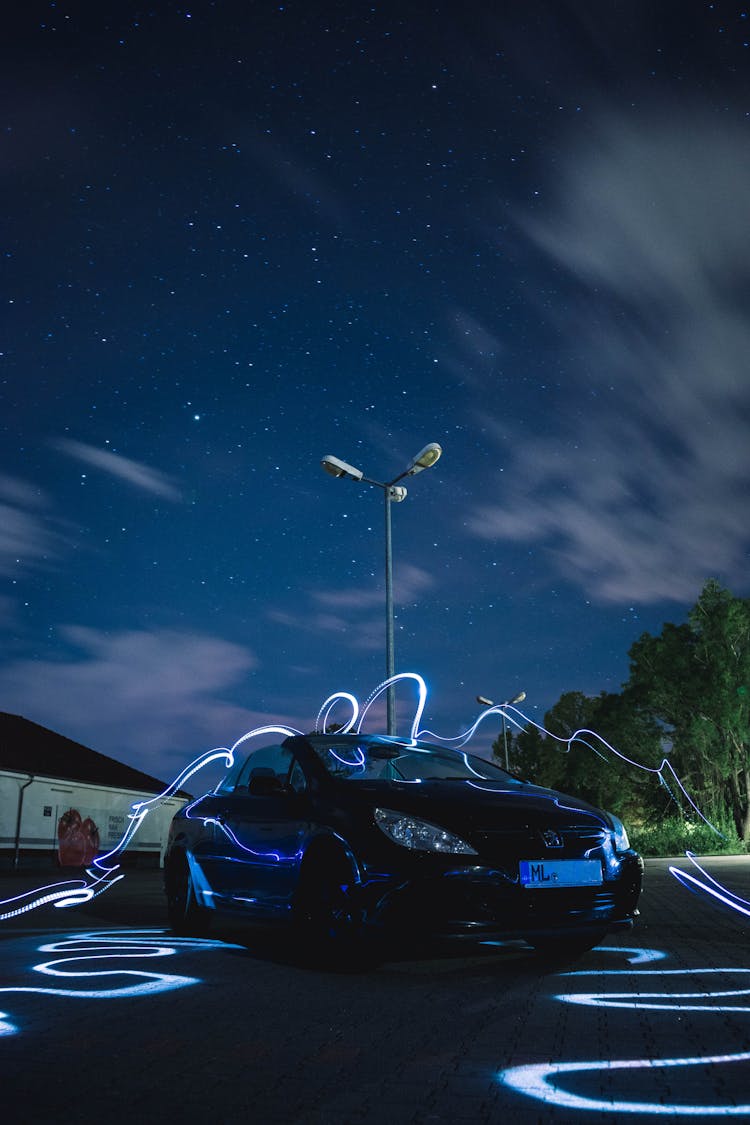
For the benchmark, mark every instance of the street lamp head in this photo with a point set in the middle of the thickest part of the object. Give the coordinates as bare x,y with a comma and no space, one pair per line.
425,459
338,468
508,703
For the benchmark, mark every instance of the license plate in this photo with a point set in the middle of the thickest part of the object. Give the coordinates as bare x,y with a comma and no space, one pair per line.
561,873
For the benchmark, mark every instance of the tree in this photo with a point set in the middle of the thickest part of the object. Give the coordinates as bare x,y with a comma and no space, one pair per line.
598,735
586,766
693,681
528,756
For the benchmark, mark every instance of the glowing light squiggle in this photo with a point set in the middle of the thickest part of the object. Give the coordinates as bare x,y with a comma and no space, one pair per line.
584,737
100,876
288,732
716,890
383,687
321,723
357,764
72,892
521,720
542,1081
109,945
140,809
230,835
537,1081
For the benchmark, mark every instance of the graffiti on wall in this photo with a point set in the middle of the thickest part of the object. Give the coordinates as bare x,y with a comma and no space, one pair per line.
77,840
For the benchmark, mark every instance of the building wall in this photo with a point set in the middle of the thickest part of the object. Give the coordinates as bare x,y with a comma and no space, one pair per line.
47,801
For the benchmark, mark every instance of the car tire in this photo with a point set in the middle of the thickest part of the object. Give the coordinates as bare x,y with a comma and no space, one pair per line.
330,927
186,917
557,950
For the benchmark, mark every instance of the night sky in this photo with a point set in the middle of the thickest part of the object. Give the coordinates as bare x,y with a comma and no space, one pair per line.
238,236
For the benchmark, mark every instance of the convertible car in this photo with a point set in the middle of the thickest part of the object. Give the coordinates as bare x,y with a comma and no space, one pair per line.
354,837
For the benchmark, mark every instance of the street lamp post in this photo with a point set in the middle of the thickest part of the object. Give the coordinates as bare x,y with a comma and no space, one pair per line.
508,703
392,493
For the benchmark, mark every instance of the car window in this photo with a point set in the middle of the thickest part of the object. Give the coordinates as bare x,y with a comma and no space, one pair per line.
266,761
297,779
352,761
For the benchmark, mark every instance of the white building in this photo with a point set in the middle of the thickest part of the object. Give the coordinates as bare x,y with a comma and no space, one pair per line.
61,802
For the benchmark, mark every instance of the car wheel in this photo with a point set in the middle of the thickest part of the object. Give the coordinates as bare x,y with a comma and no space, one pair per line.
329,925
557,950
186,917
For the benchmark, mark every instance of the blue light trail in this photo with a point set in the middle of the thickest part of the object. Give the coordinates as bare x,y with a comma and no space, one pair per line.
99,877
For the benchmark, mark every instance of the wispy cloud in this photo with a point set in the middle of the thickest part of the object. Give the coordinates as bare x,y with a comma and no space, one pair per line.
134,472
25,534
641,493
354,632
8,613
412,582
355,615
146,697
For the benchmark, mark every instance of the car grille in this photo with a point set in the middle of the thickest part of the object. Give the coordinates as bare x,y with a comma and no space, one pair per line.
509,845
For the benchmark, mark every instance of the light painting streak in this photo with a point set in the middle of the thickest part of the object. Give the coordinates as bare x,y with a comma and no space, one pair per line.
716,890
288,732
321,723
109,945
538,1081
421,699
75,892
633,956
238,843
357,764
544,1081
719,892
69,893
510,712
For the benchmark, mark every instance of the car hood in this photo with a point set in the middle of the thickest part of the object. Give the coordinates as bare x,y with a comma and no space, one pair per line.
458,803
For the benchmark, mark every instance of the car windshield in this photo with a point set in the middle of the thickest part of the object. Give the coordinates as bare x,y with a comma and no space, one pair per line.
369,761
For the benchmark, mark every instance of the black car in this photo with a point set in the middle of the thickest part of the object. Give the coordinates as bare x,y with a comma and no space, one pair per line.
352,836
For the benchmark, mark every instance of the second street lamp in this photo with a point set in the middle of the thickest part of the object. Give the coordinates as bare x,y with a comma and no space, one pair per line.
508,703
392,493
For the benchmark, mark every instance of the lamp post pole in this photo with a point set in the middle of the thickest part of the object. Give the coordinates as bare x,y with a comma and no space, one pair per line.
390,657
392,493
505,742
508,703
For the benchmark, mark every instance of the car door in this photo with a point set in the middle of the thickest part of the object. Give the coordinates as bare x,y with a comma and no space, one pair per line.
259,830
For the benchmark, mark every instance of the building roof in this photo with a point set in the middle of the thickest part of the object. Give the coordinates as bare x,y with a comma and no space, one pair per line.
28,748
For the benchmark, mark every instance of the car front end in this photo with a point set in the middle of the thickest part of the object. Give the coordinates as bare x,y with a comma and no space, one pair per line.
493,860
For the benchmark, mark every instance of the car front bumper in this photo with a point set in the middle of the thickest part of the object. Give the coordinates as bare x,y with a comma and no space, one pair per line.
481,901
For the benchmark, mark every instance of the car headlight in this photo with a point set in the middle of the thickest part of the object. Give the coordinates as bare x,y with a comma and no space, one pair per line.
420,835
622,843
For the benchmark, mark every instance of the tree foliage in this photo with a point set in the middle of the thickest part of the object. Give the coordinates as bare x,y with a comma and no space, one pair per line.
585,765
687,698
693,680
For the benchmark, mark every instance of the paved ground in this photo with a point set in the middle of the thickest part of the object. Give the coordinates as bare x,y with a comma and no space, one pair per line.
106,1017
